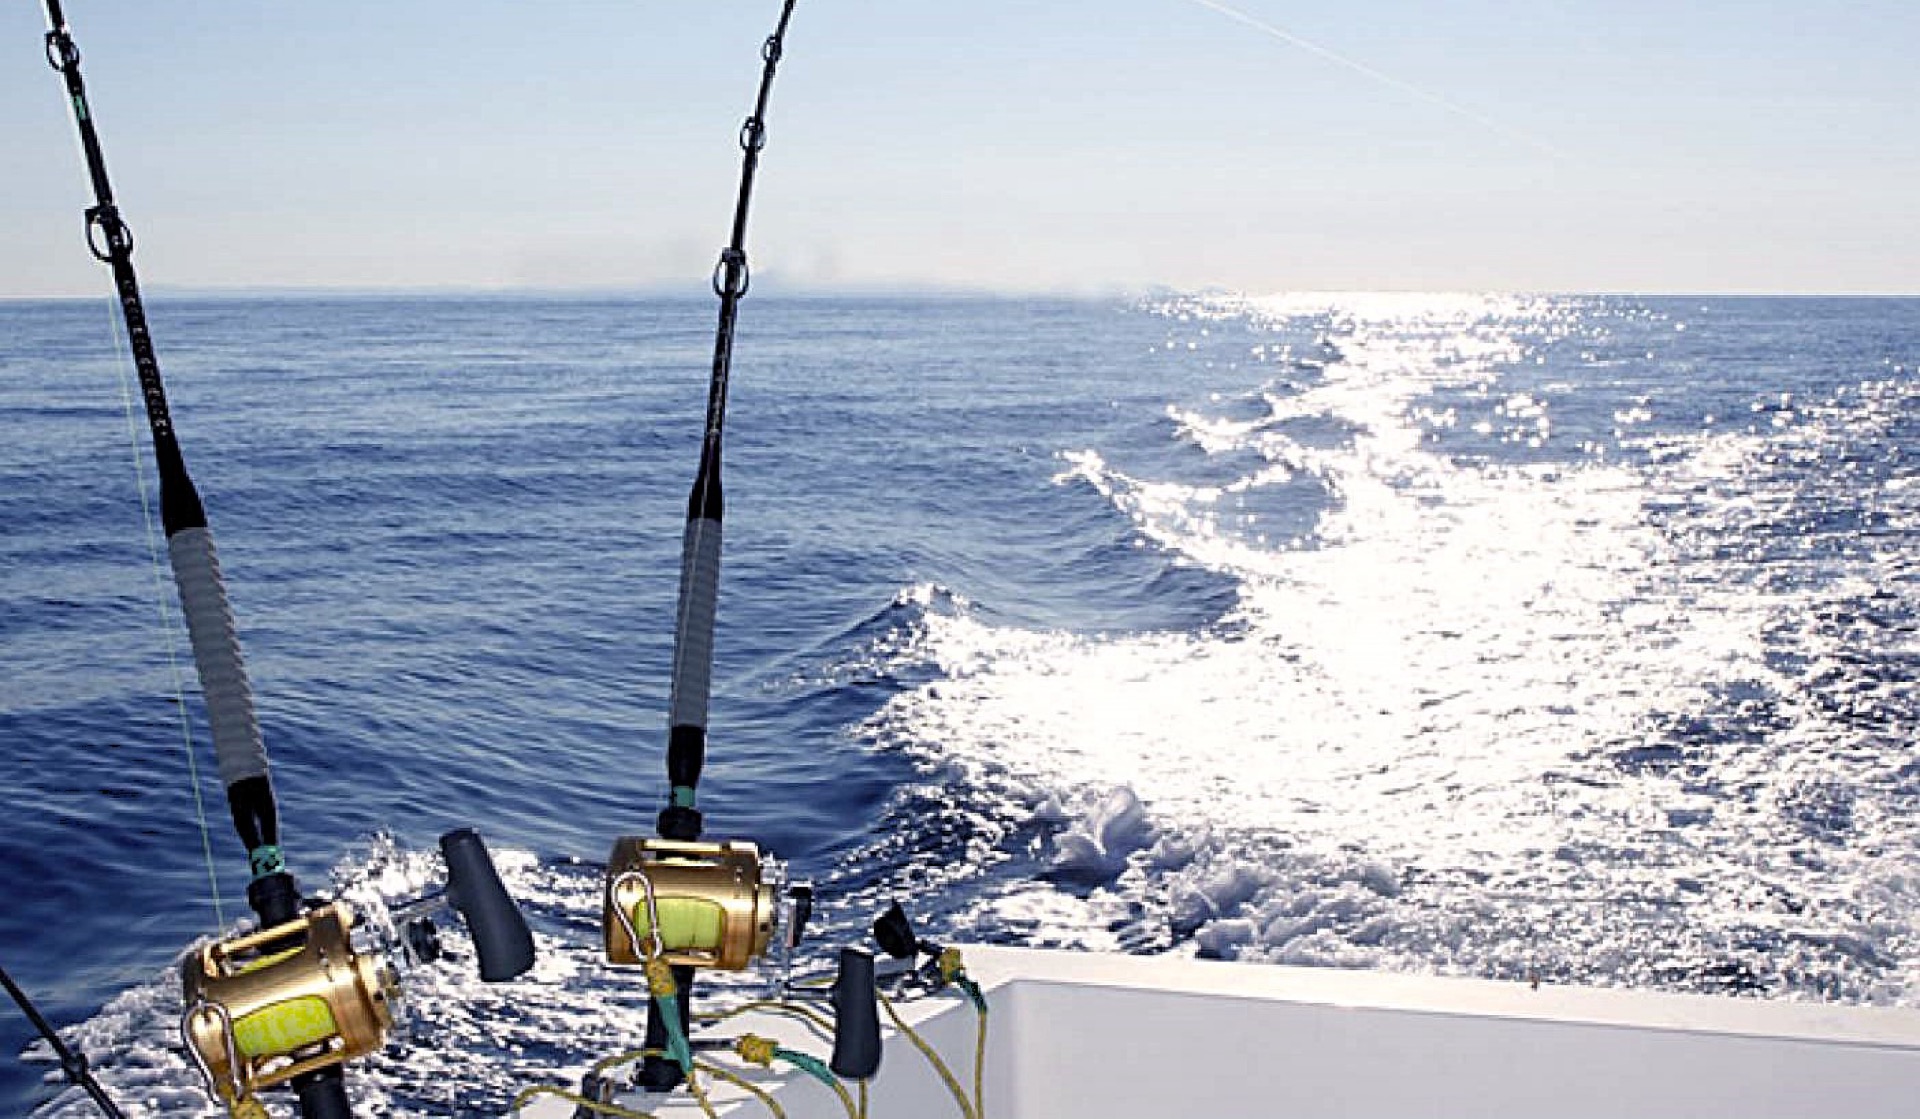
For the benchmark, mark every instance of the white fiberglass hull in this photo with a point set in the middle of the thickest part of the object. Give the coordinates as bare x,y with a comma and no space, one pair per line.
1116,1037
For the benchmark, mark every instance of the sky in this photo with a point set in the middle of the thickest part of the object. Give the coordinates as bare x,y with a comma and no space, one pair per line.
1000,145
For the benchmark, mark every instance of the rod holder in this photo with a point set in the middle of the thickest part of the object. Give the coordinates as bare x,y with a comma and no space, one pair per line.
856,1017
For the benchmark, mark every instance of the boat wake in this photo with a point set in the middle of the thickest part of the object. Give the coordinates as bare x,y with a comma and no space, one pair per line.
1525,714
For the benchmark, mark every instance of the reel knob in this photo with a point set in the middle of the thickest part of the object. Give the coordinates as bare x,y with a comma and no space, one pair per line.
499,929
894,933
799,912
423,941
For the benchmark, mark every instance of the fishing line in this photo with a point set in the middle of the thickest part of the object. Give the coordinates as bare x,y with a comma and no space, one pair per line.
1364,70
168,634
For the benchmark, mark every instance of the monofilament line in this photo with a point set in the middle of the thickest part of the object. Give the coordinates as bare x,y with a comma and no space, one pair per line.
160,596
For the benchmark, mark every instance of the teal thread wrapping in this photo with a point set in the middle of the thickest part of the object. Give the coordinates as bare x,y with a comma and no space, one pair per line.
266,859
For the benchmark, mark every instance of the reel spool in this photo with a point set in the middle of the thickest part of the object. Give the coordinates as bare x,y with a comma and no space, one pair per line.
267,1006
264,1007
717,904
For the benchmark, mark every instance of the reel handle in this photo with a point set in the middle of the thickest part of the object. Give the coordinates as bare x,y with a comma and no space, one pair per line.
856,1017
500,933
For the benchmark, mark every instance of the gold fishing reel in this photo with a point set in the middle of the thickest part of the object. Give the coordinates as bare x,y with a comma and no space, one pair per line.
267,1006
711,905
320,990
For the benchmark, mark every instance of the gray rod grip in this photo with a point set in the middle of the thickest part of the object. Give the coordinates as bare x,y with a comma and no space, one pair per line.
693,631
216,656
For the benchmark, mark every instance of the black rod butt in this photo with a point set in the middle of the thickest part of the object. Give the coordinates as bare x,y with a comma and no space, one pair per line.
275,898
660,1074
323,1094
679,822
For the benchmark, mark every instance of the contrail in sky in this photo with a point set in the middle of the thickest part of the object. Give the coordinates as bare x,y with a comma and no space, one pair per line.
1428,96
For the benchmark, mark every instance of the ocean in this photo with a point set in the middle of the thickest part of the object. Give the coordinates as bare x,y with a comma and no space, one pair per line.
1555,638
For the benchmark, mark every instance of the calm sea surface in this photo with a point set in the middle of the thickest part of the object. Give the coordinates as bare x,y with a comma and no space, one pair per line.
1564,637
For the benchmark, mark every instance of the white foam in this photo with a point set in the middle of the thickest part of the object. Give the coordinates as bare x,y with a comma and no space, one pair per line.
1436,681
1096,847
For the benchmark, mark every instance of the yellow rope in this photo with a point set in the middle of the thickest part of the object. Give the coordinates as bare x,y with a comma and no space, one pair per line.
737,1081
791,1010
606,1064
863,1099
699,1093
939,1066
846,1100
762,1050
980,1069
660,978
577,1100
953,969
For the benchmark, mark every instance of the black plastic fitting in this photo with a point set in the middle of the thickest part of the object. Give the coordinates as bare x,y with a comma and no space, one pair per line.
856,1017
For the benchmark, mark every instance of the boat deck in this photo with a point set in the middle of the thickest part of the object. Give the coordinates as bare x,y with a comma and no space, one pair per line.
1127,1036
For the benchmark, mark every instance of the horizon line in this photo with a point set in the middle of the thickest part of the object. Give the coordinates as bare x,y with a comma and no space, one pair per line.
908,290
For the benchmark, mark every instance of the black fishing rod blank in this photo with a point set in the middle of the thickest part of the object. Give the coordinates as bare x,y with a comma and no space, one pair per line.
294,1000
692,677
73,1064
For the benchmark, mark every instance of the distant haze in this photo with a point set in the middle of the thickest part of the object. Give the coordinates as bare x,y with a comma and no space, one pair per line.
1254,145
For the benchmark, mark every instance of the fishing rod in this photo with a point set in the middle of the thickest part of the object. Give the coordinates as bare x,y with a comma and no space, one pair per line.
692,675
295,1000
242,757
73,1064
237,745
675,903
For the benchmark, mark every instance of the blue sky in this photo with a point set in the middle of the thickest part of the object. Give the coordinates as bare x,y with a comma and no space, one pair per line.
1584,145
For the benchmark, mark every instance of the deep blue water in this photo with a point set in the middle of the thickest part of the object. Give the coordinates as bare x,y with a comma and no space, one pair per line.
1569,637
